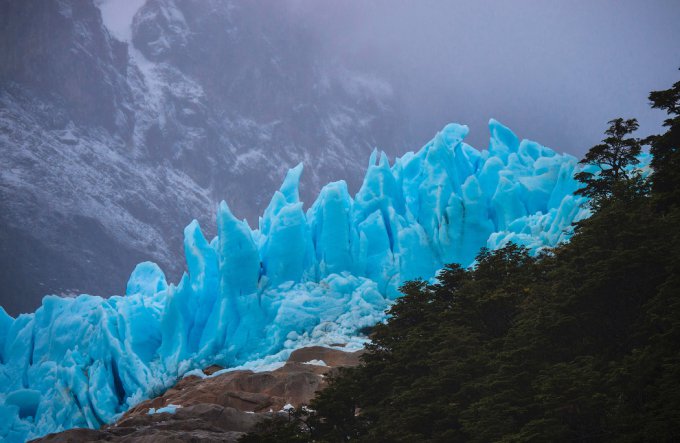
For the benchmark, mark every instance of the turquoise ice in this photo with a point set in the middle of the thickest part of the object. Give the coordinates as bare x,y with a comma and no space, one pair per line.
250,296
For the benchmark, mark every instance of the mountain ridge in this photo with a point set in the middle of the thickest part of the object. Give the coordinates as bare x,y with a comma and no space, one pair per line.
115,143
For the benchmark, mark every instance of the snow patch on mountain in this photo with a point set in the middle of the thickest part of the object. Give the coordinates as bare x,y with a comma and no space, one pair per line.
118,15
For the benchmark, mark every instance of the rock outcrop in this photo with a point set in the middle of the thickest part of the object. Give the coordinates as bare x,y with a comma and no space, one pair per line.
222,406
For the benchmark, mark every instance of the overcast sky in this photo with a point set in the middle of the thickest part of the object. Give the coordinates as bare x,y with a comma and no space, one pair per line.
554,71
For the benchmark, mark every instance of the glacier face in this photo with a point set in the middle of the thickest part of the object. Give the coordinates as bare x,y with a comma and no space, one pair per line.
303,277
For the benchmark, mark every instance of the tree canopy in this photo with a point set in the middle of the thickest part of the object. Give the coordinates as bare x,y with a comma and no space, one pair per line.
613,157
665,148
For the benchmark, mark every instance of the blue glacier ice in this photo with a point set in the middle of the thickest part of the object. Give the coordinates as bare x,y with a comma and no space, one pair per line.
316,276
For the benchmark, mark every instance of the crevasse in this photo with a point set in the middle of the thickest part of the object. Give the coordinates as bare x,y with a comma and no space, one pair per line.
251,296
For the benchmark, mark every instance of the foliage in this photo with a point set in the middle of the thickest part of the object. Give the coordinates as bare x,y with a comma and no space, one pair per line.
612,157
290,427
579,344
665,148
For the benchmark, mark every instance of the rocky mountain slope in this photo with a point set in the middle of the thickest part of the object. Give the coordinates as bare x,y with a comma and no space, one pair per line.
222,406
112,138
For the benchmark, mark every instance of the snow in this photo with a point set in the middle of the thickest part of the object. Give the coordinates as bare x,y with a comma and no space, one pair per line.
169,409
304,277
315,363
117,16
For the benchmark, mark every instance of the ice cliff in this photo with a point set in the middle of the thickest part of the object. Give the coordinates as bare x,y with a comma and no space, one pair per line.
250,296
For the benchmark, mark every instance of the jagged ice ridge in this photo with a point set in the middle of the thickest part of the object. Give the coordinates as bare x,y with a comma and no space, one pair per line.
252,296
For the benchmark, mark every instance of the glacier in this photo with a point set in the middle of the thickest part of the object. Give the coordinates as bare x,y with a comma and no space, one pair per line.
315,276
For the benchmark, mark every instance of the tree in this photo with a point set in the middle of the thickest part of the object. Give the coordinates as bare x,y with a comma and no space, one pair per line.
665,148
612,157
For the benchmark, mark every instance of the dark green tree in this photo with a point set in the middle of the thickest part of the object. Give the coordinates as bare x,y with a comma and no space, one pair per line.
612,158
277,429
665,148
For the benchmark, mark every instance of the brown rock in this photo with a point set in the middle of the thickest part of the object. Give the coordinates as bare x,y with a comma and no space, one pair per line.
332,357
219,408
210,370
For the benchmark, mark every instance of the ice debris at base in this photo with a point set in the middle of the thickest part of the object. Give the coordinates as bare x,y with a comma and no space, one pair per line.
315,363
312,277
169,409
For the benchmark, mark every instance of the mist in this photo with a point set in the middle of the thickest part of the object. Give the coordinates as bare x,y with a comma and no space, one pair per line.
554,72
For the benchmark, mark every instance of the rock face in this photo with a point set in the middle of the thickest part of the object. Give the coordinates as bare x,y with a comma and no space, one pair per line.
203,422
111,142
223,406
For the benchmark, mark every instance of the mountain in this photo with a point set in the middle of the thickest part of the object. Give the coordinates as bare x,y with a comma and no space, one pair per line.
115,129
319,277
